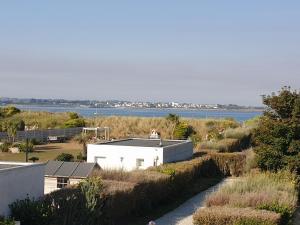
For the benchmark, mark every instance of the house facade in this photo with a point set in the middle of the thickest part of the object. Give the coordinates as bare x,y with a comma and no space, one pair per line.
60,174
19,180
137,153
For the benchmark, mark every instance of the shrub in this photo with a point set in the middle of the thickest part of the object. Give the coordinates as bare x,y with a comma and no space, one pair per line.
235,216
66,157
183,130
79,122
230,164
8,111
4,147
29,212
272,192
27,145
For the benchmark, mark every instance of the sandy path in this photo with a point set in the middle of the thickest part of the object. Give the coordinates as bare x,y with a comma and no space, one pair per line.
183,215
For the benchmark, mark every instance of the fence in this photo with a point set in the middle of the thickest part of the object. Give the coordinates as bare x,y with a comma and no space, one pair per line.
41,135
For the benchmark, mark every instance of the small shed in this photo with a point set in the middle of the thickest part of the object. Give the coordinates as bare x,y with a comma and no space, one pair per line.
59,174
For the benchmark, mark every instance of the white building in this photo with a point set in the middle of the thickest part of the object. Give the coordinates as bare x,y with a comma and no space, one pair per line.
19,180
135,153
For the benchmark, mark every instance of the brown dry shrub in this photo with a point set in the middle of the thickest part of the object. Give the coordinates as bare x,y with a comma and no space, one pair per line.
232,216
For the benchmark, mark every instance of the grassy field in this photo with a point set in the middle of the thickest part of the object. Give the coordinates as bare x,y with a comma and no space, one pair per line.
45,152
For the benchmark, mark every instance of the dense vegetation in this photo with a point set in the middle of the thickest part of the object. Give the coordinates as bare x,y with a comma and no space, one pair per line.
278,133
275,192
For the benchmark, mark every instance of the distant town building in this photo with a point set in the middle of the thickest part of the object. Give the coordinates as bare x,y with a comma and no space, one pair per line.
19,180
137,153
60,174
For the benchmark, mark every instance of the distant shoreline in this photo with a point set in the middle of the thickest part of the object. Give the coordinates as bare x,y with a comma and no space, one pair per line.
136,108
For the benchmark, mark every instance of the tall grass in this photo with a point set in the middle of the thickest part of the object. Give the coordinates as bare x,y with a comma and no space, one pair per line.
141,126
271,191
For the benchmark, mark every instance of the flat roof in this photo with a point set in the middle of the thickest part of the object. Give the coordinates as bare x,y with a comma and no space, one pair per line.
137,142
6,166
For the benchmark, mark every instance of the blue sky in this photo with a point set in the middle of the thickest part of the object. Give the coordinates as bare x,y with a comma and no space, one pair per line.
186,51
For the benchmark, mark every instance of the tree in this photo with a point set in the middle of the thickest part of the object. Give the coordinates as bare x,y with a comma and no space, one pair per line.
183,131
83,139
66,157
173,120
278,133
11,126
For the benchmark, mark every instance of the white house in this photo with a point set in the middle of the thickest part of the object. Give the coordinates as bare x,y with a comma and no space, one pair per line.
19,180
60,174
136,153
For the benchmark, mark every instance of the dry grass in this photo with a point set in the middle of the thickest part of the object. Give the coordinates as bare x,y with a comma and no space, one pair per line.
235,216
272,191
45,152
122,127
44,120
137,176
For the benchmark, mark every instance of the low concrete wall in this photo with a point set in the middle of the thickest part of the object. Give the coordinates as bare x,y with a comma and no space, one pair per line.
19,182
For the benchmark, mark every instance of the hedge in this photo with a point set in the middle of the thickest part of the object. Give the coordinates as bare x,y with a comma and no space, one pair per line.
235,216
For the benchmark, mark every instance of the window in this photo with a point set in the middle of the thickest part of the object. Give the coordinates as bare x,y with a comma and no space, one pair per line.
62,182
139,162
121,159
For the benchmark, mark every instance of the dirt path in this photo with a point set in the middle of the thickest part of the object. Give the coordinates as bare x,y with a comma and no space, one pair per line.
183,215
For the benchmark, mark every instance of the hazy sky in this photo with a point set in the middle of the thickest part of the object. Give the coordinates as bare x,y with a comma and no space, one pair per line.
159,50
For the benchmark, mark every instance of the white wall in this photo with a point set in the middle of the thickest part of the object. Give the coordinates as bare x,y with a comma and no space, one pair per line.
178,152
113,154
51,184
17,182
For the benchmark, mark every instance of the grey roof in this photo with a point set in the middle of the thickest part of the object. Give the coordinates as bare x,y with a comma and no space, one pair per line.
144,142
6,166
69,169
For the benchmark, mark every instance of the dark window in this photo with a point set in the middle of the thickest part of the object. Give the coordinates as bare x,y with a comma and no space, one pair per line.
62,182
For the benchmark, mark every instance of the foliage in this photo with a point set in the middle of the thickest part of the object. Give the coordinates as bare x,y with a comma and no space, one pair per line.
5,221
27,145
66,157
8,111
4,147
83,139
33,159
278,133
235,216
275,192
29,212
80,122
91,188
183,130
73,115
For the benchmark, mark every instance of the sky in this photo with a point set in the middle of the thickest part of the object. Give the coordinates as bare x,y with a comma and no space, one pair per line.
204,51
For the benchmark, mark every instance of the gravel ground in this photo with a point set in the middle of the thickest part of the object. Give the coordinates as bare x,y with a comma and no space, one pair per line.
183,215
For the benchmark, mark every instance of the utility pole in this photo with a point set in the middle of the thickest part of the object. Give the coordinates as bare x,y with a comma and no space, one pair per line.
27,143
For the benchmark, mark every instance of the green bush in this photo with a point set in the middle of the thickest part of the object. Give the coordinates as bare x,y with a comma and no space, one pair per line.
29,146
183,130
235,216
79,122
8,111
66,157
30,212
4,147
230,164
